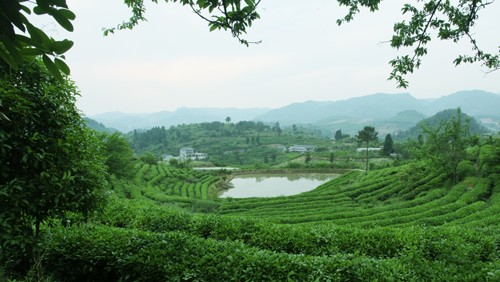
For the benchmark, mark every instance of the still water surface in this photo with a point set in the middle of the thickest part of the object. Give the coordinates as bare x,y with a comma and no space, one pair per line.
272,185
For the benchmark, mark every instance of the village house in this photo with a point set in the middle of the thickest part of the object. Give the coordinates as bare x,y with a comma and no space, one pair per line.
301,148
360,150
189,153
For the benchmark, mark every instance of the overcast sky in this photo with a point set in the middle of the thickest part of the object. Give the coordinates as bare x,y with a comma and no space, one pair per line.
173,60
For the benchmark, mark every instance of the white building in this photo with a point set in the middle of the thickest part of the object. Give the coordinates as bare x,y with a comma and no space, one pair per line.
189,153
186,152
301,148
360,150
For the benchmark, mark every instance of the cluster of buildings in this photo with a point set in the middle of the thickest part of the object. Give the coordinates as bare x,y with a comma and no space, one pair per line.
186,153
189,153
294,148
301,148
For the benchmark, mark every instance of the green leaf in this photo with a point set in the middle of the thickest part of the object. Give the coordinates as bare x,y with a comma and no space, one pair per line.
43,3
59,3
62,66
31,52
8,59
10,13
39,10
24,40
61,47
62,19
26,9
250,3
37,35
67,13
13,50
52,68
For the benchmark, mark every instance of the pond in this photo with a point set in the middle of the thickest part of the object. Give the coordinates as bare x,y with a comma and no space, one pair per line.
272,185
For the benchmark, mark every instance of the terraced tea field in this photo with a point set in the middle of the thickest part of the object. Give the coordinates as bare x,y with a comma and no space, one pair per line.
163,182
389,197
395,224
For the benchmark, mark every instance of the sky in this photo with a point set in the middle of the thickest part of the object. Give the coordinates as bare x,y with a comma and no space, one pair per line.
173,61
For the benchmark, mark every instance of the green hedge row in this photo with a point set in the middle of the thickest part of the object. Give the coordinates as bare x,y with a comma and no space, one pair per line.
99,253
455,245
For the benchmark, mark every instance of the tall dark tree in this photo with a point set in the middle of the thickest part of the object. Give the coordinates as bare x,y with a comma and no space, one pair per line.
273,157
365,136
338,135
149,158
445,144
228,119
277,128
118,154
308,158
387,149
50,162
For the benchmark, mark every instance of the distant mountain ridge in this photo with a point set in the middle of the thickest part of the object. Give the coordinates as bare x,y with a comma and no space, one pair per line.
381,105
127,122
389,112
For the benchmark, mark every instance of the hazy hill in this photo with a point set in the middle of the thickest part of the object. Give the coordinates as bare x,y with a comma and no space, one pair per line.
389,112
367,107
472,102
97,126
474,126
381,105
350,125
126,122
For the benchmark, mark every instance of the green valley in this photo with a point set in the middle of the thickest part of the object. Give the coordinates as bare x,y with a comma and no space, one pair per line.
182,159
428,213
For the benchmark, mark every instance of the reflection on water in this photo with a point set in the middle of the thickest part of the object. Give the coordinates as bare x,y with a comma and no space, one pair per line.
274,185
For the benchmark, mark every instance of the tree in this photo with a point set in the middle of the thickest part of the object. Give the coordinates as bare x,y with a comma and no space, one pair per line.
387,149
338,135
33,41
445,145
332,158
277,128
50,162
118,154
149,158
367,135
489,160
308,158
228,119
444,20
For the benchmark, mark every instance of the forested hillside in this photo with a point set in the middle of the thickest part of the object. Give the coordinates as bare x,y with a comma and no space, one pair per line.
243,143
474,127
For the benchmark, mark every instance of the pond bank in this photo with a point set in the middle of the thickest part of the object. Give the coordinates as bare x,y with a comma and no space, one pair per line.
289,171
274,183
